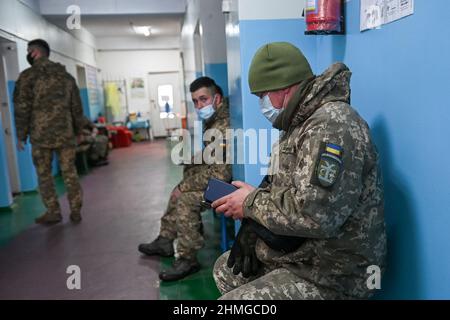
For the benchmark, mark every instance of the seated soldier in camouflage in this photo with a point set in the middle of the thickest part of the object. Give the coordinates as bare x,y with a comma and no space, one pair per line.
98,144
182,220
316,224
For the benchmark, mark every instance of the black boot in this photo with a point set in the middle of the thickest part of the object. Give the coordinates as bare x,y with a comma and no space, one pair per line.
181,268
160,247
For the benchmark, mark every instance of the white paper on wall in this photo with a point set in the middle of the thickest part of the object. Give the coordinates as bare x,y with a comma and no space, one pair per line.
375,13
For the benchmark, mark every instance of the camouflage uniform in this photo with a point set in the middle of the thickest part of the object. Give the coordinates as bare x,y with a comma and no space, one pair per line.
328,190
98,149
182,218
48,109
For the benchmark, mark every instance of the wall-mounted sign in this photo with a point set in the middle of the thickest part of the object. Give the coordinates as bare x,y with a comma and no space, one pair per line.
375,13
137,88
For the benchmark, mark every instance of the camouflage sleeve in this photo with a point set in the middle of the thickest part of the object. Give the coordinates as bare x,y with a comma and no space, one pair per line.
199,180
326,186
78,118
23,99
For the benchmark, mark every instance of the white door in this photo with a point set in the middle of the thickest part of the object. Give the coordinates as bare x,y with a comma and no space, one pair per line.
7,118
165,95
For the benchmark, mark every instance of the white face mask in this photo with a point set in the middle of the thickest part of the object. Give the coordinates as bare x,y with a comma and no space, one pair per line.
206,112
267,108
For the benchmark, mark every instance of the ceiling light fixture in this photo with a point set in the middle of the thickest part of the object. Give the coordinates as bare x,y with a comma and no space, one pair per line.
145,30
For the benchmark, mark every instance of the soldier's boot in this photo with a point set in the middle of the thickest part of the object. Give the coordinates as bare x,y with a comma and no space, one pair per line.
75,217
159,247
180,269
49,218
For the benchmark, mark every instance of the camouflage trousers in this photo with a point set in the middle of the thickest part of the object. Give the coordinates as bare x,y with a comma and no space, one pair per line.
42,159
182,221
276,284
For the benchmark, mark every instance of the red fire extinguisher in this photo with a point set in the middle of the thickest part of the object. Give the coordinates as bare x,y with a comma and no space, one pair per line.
324,17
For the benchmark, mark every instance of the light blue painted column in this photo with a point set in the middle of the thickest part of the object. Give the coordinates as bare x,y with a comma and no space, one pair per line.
218,72
27,172
5,186
84,93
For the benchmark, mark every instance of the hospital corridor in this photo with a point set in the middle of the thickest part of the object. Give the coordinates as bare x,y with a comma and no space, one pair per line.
256,152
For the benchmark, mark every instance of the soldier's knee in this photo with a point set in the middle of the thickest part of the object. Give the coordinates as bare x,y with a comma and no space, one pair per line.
220,270
190,202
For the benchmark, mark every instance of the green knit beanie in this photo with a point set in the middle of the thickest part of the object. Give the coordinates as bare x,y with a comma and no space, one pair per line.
277,65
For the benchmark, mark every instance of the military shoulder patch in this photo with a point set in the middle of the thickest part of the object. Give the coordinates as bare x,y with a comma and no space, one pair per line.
328,165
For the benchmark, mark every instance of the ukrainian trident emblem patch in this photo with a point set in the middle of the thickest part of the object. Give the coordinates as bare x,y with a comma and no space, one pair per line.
328,166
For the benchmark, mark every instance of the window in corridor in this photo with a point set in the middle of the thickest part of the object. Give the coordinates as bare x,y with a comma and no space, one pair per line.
165,101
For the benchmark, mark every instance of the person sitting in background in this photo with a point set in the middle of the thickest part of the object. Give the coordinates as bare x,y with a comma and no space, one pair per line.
99,149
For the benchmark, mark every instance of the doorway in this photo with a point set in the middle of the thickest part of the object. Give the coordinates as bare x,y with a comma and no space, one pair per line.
7,52
82,85
165,102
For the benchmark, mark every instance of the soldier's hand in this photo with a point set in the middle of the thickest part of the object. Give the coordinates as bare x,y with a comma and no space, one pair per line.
242,256
21,145
232,205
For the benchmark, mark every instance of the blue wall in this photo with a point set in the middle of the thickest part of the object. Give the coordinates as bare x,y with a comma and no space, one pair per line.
84,93
5,186
399,85
218,72
400,73
27,172
253,35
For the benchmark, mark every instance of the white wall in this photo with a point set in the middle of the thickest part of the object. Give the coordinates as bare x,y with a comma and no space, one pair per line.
209,14
19,23
119,64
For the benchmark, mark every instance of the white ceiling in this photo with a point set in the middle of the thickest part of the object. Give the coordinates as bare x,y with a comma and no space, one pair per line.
114,18
162,25
98,7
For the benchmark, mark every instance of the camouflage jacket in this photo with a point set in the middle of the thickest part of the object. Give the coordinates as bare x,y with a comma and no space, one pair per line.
195,176
327,189
47,105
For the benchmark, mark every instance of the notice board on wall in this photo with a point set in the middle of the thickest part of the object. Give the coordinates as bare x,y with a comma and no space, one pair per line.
375,13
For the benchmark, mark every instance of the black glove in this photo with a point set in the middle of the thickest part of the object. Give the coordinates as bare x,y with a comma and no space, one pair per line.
243,255
285,244
265,182
204,205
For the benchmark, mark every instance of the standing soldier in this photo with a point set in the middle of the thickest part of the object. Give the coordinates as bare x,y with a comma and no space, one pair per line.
313,228
182,220
48,110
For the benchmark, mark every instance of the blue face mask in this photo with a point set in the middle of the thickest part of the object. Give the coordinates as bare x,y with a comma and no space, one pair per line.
206,112
267,108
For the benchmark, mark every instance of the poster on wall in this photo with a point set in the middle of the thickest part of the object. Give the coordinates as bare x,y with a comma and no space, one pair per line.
137,88
375,13
92,85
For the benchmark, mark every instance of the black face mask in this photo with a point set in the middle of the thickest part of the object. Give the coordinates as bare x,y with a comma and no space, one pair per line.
30,59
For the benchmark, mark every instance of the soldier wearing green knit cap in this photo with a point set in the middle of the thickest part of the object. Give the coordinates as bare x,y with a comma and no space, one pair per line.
314,228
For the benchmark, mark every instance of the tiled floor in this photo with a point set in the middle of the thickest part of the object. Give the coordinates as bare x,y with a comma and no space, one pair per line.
199,286
123,204
26,208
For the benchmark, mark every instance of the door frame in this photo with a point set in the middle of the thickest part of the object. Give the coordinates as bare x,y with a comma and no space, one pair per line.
7,118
